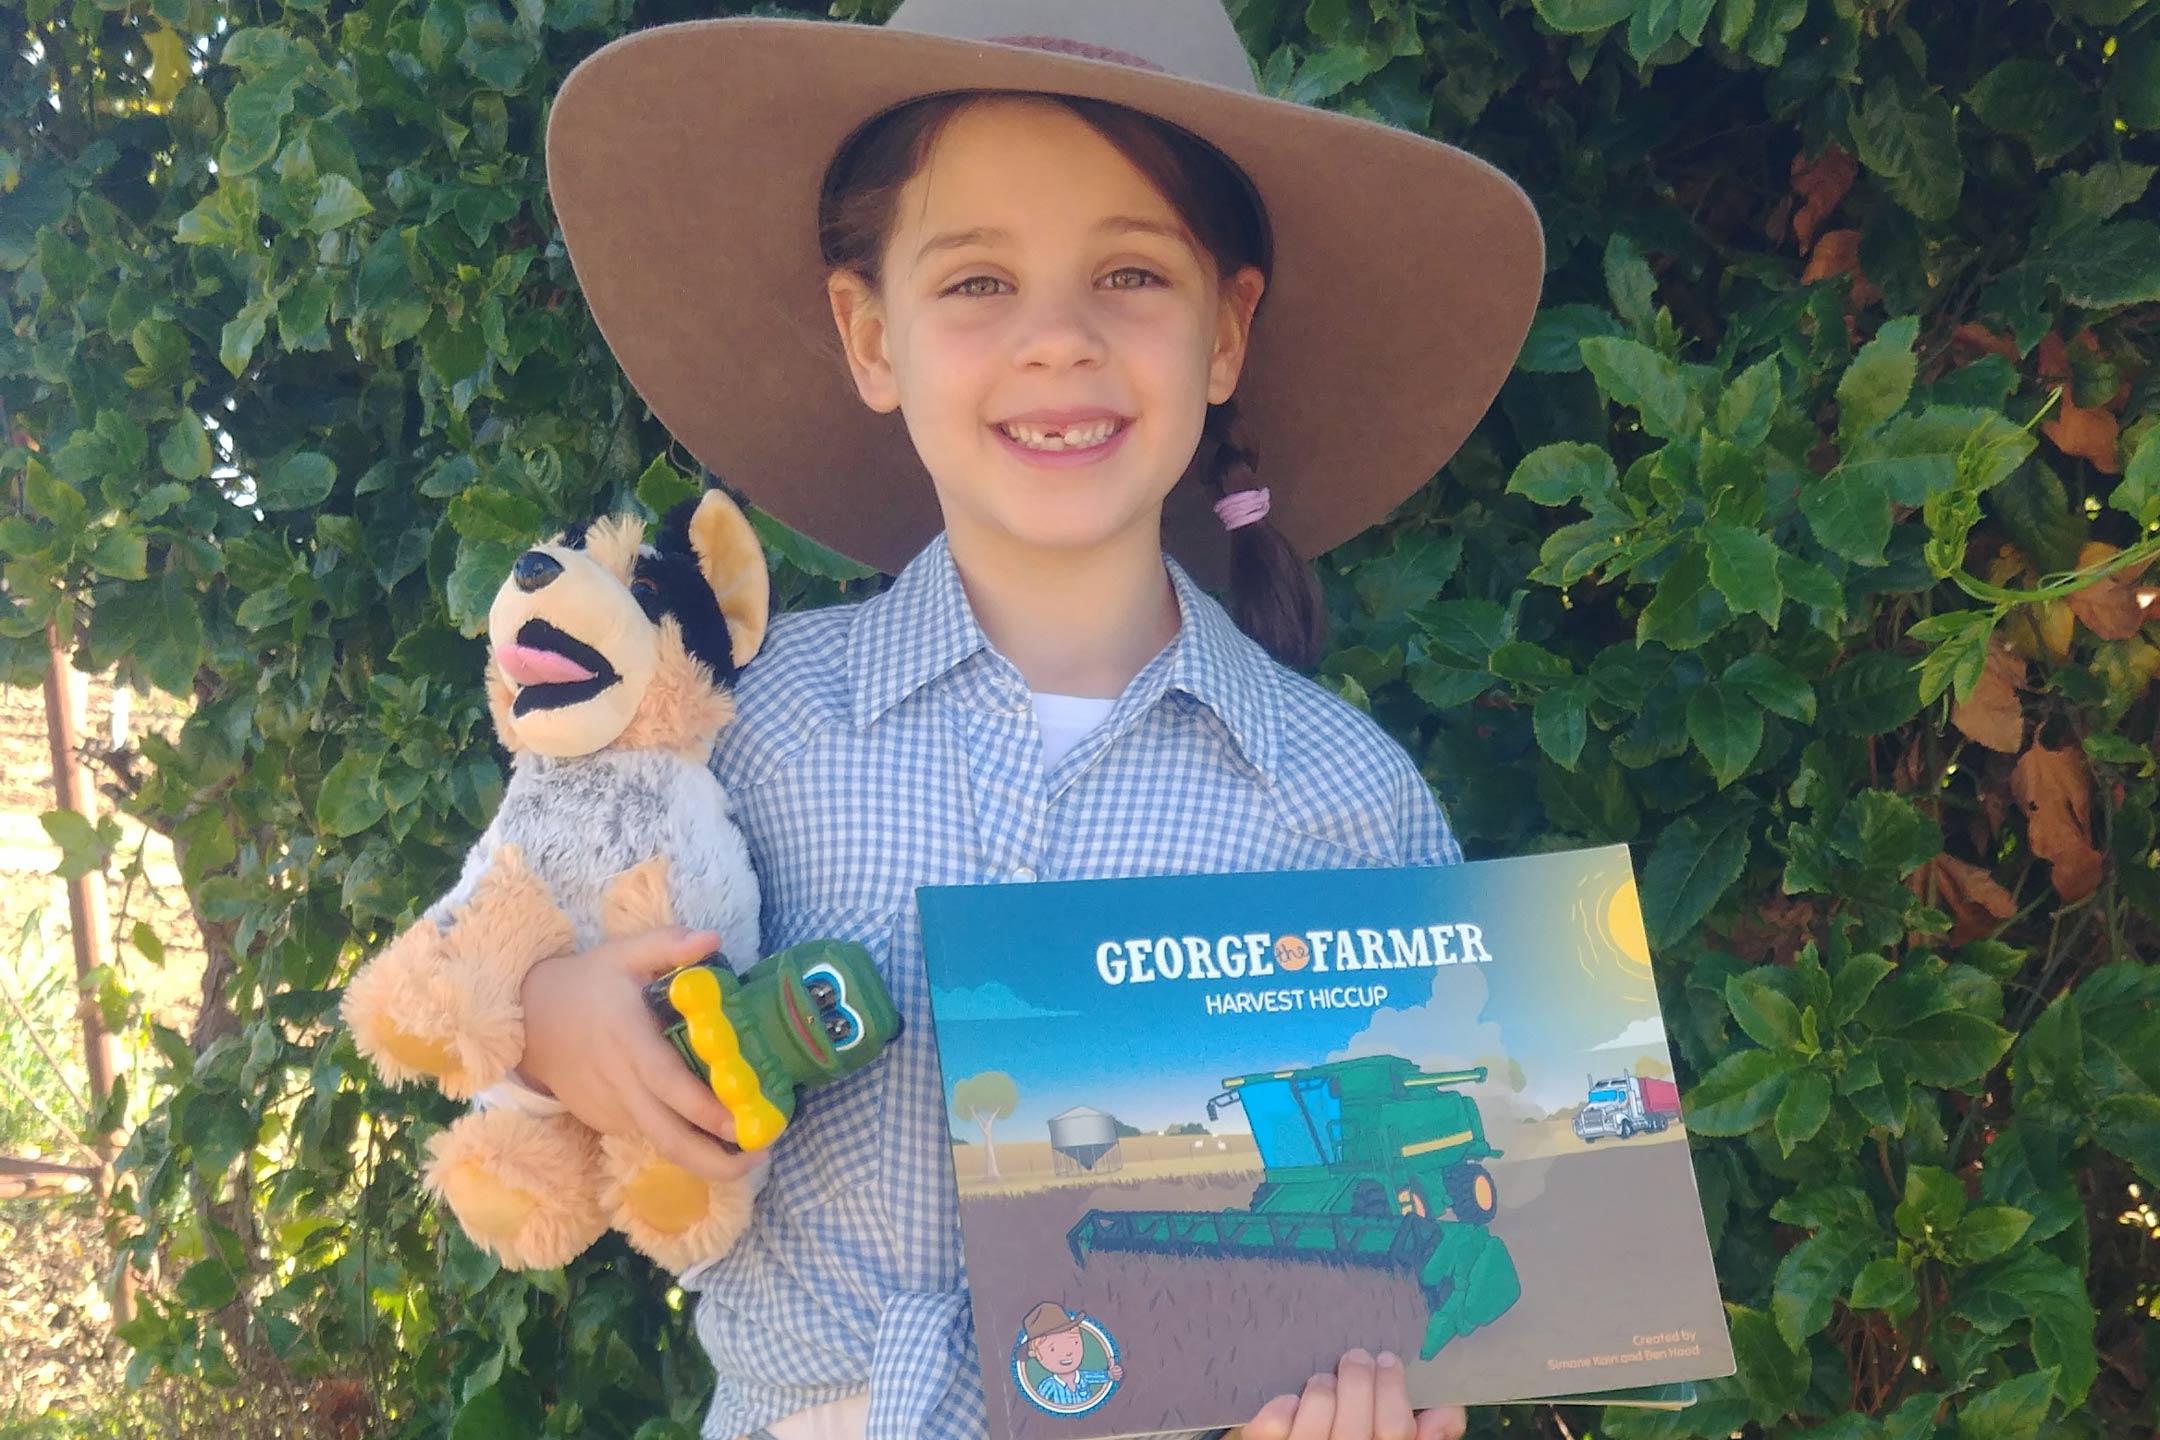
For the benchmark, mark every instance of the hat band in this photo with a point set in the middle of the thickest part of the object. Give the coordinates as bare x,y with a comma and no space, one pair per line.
1064,45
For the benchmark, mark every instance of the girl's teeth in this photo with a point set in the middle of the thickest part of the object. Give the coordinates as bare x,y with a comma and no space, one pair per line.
1072,437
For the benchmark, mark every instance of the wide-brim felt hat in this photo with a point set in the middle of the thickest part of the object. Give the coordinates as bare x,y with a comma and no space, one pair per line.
685,164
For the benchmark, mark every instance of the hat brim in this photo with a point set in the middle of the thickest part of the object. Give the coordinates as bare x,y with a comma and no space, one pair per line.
684,164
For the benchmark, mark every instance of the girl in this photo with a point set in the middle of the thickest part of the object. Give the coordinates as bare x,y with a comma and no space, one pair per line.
1041,233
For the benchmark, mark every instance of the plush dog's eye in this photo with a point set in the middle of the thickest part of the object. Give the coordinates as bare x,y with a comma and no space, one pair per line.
644,589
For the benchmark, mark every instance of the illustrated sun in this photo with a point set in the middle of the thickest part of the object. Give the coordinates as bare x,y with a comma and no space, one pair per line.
1613,947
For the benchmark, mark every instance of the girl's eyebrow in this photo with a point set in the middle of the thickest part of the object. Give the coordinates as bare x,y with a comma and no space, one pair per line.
989,235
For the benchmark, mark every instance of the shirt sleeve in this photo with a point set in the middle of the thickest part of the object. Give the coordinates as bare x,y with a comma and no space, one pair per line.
1427,838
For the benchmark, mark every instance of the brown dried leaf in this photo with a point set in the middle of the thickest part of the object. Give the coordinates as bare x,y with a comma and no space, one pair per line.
2055,790
2109,608
1992,715
2090,434
1821,183
1977,902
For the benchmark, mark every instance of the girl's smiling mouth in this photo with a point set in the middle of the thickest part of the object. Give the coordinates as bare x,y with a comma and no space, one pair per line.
1061,441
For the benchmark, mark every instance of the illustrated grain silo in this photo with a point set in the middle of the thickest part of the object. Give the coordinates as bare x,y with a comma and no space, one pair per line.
1084,1141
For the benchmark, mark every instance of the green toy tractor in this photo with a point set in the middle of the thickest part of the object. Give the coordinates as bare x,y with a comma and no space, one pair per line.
1362,1158
802,1016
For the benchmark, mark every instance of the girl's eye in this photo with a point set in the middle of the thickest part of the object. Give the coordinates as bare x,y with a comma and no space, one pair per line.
1141,278
969,286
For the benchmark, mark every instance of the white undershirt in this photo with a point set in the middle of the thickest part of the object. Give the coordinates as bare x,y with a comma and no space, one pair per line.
1065,720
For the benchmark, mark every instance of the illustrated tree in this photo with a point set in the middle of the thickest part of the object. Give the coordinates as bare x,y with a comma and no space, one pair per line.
983,1100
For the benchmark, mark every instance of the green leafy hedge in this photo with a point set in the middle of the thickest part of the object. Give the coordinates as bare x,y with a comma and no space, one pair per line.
1803,552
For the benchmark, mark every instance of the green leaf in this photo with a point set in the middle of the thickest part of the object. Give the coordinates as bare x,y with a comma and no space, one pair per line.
1953,1049
1749,404
1849,513
1774,1373
185,450
487,513
2139,494
1560,719
1771,685
1870,694
1727,727
1803,1110
1759,1002
208,1285
1327,73
338,202
1989,1231
2014,1410
1529,664
662,487
2136,81
2109,266
1580,17
1739,1094
254,113
1911,144
298,482
1880,379
82,849
1629,281
2037,101
1743,567
1814,1274
1884,1284
2035,1285
1934,1201
2129,1125
1632,374
122,554
1410,573
1687,609
1697,859
1554,345
352,794
1959,657
1565,470
54,499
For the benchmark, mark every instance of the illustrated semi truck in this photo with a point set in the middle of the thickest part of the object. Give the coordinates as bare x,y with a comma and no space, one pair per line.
1627,1105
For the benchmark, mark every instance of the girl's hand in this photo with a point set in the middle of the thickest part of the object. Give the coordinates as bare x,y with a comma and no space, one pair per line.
1364,1399
591,1043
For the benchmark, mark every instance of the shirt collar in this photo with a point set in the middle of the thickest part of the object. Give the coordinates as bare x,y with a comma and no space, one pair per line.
922,628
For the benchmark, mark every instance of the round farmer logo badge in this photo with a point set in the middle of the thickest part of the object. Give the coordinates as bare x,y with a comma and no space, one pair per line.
1065,1363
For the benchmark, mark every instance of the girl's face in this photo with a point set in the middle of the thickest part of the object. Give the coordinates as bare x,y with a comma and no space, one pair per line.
1048,330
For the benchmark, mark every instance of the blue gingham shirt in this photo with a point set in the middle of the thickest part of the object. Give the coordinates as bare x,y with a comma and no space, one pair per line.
884,746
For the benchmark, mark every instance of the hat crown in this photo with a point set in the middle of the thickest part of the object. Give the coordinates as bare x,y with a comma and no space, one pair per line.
1193,39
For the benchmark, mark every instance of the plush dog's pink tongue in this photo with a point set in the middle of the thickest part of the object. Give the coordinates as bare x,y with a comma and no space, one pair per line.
525,665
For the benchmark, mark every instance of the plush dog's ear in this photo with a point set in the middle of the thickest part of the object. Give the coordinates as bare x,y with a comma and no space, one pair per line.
728,553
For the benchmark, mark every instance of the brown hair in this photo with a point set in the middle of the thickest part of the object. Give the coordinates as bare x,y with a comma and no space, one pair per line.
1273,595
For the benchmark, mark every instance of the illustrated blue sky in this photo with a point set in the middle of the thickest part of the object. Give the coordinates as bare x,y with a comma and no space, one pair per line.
1018,990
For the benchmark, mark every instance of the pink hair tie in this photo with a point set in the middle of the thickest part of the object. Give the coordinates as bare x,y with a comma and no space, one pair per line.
1241,507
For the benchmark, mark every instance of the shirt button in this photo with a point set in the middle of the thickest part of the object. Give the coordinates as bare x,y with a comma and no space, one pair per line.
1023,872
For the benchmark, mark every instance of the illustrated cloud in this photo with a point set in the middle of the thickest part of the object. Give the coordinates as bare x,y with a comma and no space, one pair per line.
1639,1035
991,1001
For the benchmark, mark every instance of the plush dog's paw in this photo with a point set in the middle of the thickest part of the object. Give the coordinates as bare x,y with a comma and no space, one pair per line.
525,1187
405,1009
667,1212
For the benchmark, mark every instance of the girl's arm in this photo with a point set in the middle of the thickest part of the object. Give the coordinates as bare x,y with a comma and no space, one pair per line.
591,1043
1364,1399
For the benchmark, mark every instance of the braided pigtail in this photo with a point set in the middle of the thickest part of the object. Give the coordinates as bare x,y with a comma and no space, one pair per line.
1274,596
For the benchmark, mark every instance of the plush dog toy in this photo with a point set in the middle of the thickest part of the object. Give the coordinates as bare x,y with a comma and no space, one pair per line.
609,676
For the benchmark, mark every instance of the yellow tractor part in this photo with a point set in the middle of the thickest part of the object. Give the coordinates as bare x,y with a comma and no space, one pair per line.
695,994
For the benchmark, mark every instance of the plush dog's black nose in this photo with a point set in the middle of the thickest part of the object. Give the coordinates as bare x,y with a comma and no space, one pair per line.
533,570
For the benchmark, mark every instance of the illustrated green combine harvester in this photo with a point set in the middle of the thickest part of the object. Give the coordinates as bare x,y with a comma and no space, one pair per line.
1362,1159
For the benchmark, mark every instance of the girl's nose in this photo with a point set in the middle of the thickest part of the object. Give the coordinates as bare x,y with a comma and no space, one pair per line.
1059,331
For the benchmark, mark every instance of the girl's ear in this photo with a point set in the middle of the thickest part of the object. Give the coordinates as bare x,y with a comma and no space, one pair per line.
1233,331
861,322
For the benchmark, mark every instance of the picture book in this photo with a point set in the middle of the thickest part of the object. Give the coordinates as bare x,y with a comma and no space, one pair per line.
1210,1132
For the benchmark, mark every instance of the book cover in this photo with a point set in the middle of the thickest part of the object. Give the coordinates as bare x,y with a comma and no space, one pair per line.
1209,1132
